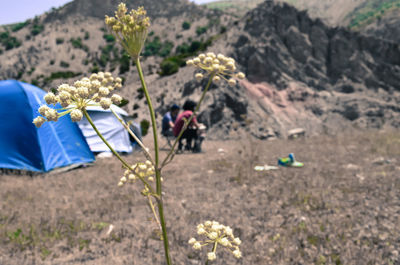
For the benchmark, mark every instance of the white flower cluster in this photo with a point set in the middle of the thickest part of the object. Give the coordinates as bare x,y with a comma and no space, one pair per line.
139,170
95,90
219,66
129,28
216,234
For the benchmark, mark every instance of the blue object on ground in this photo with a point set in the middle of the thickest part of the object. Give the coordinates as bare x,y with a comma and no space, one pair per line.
289,161
25,147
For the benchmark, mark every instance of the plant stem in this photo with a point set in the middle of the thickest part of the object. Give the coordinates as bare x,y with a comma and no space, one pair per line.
151,110
213,250
126,126
156,166
104,140
154,211
113,151
185,125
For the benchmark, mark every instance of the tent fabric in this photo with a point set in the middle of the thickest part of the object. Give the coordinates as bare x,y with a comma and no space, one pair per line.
25,147
109,126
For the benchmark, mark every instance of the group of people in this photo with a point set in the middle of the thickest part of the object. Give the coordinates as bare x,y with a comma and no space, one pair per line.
173,123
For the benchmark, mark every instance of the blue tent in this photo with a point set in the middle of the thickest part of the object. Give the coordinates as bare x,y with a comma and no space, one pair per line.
25,147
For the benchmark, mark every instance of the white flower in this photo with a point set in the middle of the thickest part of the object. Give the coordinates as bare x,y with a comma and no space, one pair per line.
38,121
83,91
240,75
211,256
231,82
76,115
237,241
192,241
199,76
50,98
201,231
197,245
51,115
116,99
213,235
224,241
237,253
105,103
42,110
103,91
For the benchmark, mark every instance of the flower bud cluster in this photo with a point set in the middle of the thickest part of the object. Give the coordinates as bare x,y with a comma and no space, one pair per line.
216,234
139,170
129,28
218,66
95,90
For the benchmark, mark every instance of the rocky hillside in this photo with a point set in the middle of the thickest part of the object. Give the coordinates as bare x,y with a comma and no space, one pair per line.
301,73
72,41
379,18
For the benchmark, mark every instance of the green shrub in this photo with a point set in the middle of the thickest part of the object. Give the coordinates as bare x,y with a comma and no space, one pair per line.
59,41
124,63
9,41
186,25
109,37
152,47
182,49
64,64
140,92
201,30
95,69
87,36
144,125
168,67
124,102
19,26
166,49
36,29
31,71
76,43
1,51
63,75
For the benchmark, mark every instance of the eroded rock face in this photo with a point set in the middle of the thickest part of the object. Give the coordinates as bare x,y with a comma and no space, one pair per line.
283,49
291,46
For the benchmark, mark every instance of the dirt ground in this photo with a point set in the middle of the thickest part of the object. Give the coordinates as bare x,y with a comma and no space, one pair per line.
342,207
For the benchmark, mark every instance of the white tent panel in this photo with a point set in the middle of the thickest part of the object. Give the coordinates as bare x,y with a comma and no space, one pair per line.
111,129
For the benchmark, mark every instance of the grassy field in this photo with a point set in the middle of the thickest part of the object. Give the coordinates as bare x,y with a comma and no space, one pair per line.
342,207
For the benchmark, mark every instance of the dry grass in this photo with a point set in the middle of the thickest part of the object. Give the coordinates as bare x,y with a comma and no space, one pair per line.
341,208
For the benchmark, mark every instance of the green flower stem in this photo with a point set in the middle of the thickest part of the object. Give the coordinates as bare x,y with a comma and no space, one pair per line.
113,151
126,126
154,211
171,153
152,114
213,250
156,166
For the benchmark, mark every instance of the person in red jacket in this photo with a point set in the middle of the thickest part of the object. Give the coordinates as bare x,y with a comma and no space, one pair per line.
190,133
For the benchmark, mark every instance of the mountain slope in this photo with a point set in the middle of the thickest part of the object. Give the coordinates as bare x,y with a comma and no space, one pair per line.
373,17
301,73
